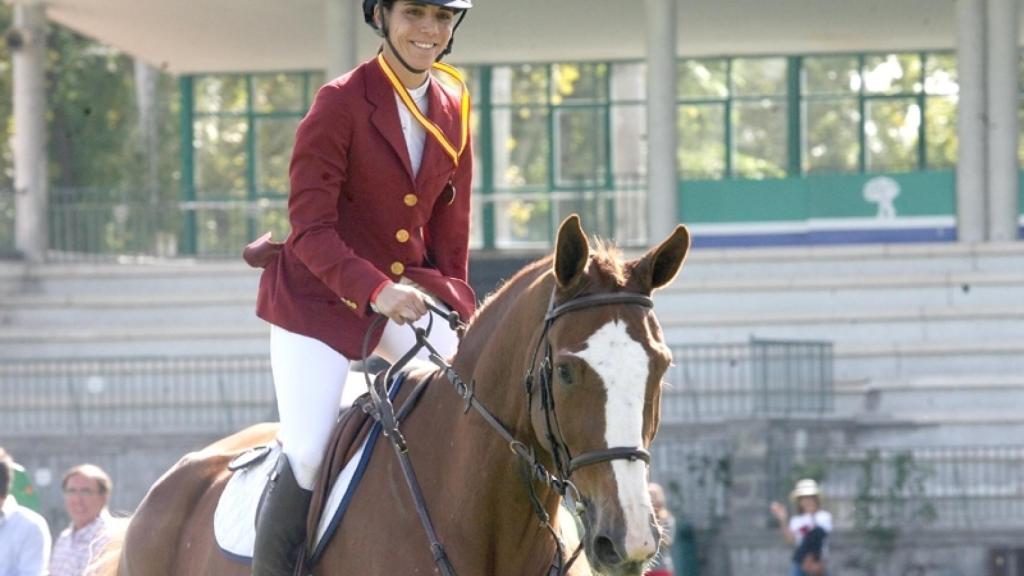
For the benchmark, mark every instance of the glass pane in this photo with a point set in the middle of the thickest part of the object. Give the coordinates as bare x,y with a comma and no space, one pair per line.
629,81
274,140
278,93
523,84
759,139
831,141
1020,139
702,79
316,80
579,83
941,75
521,222
940,131
892,74
476,222
222,231
831,75
220,93
521,147
891,131
758,76
581,140
702,141
274,218
220,157
1020,71
629,146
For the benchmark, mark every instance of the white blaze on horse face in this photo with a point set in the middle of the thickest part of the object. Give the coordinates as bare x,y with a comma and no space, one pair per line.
623,364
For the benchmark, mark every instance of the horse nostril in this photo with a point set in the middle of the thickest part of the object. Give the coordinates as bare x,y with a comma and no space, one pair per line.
606,552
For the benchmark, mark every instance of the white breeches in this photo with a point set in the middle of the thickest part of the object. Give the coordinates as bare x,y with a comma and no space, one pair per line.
309,377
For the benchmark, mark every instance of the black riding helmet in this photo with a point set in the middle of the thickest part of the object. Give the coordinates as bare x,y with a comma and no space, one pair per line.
460,6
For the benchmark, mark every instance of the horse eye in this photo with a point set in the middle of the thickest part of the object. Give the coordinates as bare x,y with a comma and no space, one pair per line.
564,373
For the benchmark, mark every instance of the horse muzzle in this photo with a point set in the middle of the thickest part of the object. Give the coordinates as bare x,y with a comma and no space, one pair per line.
611,553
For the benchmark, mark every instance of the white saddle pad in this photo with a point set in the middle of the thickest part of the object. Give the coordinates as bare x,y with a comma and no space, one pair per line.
234,520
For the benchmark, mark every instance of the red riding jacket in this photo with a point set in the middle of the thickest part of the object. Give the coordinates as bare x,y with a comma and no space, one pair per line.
359,217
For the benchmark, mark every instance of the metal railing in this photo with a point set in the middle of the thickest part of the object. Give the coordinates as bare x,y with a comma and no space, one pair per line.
759,378
133,395
933,487
98,225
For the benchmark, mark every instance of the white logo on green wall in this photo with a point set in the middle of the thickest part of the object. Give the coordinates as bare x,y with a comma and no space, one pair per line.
882,190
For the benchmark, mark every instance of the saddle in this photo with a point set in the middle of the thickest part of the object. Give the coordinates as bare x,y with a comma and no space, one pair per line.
345,461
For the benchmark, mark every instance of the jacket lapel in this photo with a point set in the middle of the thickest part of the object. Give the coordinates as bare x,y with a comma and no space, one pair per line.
381,96
439,112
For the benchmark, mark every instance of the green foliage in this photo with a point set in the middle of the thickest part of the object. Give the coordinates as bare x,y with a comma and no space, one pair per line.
890,498
6,112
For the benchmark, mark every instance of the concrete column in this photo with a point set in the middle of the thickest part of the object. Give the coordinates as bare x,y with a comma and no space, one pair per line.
662,207
342,21
971,193
1003,187
27,41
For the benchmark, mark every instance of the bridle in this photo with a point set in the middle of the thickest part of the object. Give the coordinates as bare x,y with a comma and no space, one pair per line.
383,411
564,460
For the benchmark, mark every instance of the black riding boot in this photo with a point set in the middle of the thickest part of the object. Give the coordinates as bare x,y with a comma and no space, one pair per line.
281,524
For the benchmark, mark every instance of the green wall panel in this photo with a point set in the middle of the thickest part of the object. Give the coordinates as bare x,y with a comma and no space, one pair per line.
813,197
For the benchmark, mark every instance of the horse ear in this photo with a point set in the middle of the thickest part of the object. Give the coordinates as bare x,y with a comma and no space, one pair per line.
571,251
662,263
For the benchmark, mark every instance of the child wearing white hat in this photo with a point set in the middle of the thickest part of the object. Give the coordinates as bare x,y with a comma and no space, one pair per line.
806,496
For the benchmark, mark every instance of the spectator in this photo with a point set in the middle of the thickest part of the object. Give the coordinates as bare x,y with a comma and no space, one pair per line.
24,535
663,563
86,493
808,530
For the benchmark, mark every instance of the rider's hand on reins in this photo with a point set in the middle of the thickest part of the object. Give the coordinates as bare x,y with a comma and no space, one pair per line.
401,303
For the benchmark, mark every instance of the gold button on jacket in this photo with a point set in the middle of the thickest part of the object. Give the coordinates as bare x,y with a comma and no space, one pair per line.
411,200
397,268
402,235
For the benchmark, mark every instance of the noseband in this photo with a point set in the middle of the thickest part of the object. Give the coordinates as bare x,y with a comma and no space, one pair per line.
381,409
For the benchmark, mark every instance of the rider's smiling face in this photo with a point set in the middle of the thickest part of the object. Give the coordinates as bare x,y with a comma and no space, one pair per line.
418,31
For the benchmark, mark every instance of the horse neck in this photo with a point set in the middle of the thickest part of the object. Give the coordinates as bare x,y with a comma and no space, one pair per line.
495,355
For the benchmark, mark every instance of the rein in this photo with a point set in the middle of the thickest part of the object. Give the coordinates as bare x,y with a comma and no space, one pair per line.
383,411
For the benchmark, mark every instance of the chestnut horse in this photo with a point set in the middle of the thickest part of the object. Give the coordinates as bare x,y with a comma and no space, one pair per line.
603,363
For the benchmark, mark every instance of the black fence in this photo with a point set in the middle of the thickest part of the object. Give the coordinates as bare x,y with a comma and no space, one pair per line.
129,395
759,378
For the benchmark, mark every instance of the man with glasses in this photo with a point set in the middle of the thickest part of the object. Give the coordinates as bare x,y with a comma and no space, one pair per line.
86,493
24,536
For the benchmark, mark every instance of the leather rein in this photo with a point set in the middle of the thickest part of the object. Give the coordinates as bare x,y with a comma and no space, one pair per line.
382,410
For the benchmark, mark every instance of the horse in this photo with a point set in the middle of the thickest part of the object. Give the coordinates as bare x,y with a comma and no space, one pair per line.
569,358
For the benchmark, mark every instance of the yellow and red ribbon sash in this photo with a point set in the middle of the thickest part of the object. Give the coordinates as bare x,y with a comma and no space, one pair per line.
427,124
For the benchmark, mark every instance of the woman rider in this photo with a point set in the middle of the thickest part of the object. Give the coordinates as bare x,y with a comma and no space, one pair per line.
379,209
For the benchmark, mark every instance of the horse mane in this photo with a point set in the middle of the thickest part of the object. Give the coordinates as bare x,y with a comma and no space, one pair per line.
606,262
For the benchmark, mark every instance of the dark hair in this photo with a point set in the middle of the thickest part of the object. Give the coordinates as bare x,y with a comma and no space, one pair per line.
6,473
92,472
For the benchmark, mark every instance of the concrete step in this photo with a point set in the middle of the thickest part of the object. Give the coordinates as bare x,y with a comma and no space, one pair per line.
852,325
821,294
181,309
946,394
923,395
143,340
854,260
959,428
155,277
886,361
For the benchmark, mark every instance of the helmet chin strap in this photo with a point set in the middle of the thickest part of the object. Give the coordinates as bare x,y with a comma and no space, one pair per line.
385,29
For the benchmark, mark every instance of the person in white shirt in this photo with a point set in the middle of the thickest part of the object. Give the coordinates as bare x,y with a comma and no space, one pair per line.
24,535
809,518
86,493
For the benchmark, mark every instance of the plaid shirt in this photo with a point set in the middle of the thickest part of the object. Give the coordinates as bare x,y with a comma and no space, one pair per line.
74,549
